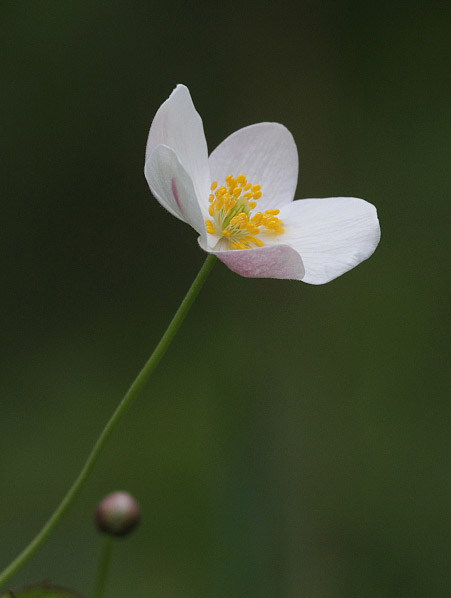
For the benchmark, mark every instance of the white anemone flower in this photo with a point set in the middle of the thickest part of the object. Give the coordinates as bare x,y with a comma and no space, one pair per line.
240,199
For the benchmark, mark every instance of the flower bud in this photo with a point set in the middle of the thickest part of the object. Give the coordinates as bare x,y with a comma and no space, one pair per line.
117,514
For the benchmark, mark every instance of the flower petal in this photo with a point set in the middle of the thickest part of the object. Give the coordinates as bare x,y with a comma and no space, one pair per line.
173,187
278,261
266,154
332,235
178,125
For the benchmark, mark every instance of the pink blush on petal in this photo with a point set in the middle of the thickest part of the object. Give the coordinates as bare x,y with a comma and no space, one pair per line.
175,193
279,261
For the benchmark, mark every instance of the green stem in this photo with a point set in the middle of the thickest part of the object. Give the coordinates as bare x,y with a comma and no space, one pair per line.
123,406
103,566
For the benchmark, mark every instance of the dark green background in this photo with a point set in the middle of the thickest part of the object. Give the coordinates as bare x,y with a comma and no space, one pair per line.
295,442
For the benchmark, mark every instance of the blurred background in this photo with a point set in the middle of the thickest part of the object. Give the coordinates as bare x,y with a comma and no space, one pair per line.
312,457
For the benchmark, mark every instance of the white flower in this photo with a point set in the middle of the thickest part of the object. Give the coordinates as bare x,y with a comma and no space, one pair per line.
240,199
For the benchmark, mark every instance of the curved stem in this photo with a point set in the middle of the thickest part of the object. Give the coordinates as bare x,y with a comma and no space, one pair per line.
123,406
103,566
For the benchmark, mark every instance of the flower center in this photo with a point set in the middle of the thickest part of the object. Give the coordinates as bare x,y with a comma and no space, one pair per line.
231,209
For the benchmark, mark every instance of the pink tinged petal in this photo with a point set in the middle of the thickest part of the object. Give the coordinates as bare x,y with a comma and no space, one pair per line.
332,235
266,153
178,126
278,261
173,187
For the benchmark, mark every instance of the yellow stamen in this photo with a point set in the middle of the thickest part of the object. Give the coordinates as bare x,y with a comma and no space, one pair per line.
210,227
257,242
253,230
231,208
257,219
237,245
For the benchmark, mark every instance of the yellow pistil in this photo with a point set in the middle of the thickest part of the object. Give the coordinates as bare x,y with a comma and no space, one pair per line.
231,209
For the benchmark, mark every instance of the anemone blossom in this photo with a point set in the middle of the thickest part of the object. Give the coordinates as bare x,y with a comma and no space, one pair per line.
240,199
